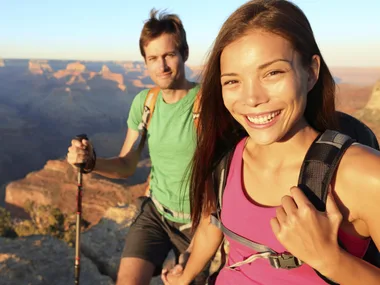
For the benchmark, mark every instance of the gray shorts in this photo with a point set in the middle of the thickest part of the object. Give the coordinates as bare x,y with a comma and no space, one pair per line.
151,236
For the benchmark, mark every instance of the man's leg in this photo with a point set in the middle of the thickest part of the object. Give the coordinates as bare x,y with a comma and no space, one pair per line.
146,247
135,271
179,237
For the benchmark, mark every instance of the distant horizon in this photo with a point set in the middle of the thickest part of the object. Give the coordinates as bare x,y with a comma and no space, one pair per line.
141,60
357,75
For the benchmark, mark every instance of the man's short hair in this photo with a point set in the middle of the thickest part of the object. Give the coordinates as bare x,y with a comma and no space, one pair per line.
161,23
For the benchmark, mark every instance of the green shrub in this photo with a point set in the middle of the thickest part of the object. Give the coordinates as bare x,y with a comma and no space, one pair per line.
48,220
6,229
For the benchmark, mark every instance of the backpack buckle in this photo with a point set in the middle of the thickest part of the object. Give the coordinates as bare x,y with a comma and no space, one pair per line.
284,261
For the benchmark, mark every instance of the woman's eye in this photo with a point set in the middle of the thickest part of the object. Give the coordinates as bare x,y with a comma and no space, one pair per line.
230,82
274,72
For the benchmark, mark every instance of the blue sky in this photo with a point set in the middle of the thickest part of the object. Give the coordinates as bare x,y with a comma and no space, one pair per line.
348,32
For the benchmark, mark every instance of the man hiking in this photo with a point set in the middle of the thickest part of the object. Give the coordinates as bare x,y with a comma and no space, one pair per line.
163,222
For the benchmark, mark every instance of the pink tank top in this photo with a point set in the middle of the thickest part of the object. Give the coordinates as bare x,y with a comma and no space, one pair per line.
252,222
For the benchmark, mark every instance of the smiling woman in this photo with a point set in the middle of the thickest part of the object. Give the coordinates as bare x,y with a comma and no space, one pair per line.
264,84
268,95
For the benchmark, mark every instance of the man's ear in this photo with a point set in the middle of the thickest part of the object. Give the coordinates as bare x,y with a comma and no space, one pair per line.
313,71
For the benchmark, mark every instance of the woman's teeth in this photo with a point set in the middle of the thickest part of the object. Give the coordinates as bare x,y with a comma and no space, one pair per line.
263,119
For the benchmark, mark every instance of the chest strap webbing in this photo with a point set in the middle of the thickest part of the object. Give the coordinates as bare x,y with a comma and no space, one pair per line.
277,260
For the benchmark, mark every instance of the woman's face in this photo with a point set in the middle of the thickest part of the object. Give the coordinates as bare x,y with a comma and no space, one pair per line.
265,85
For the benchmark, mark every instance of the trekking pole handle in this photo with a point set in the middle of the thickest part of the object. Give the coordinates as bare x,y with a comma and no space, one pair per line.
80,138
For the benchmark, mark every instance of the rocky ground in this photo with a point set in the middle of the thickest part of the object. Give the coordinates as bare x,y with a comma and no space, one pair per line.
38,260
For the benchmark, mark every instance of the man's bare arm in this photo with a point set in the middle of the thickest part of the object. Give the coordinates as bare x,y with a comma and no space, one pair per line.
121,166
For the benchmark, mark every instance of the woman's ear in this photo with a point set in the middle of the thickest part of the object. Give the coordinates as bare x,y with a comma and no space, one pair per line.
313,71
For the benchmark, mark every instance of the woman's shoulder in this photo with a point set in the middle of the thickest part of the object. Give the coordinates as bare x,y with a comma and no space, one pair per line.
360,163
358,178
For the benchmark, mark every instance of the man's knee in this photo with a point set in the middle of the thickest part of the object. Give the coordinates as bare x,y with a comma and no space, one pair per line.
134,271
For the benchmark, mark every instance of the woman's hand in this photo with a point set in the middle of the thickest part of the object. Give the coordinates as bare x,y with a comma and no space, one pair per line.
307,233
173,276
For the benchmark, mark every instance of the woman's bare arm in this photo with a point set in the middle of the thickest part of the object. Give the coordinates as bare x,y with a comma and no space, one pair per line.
358,182
206,241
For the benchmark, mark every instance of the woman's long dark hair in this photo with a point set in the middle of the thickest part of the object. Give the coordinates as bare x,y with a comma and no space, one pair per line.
220,132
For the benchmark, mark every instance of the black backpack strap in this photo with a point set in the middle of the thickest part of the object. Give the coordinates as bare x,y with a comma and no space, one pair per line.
219,176
320,164
357,130
319,167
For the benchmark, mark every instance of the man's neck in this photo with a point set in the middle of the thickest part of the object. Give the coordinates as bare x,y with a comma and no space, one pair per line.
172,96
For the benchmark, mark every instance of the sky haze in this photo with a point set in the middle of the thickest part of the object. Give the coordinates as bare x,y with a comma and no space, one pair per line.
348,32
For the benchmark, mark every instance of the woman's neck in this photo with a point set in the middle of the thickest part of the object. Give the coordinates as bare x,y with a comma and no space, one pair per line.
285,152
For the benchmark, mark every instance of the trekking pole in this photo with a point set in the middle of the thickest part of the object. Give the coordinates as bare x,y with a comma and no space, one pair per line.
79,214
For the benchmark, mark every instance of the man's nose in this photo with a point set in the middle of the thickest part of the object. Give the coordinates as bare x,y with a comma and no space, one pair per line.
163,64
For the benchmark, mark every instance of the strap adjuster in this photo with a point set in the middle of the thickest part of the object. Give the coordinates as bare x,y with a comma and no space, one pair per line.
284,261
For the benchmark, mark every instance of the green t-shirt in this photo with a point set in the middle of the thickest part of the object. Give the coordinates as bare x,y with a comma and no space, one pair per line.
171,142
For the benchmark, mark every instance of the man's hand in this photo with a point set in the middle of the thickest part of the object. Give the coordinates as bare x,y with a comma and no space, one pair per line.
79,152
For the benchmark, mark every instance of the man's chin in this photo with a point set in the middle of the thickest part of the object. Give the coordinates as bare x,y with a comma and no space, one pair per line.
164,86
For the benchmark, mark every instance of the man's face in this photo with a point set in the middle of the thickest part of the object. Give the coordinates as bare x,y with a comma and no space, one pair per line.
165,64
